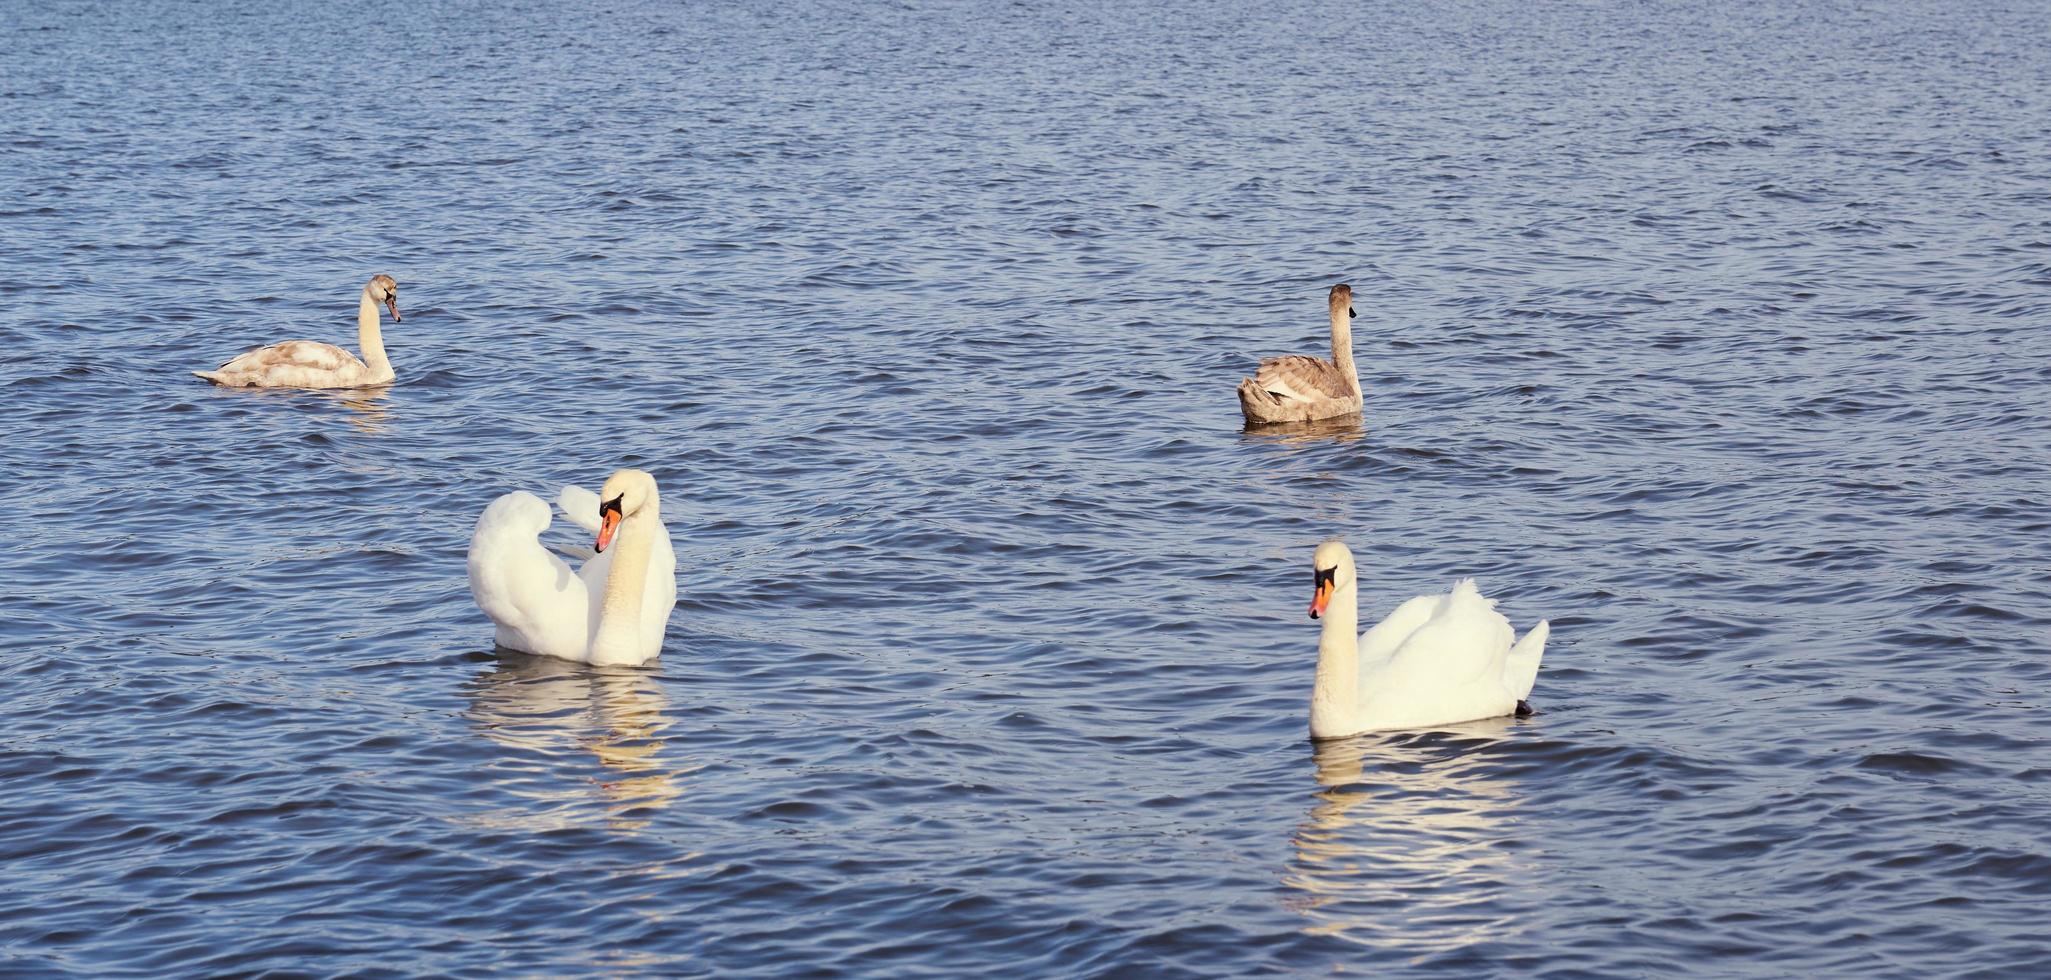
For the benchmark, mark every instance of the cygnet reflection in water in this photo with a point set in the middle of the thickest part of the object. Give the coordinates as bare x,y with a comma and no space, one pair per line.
1403,845
544,705
1338,429
369,408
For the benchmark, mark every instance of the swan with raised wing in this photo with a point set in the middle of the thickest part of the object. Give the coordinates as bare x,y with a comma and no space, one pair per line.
1299,388
1436,660
311,364
614,610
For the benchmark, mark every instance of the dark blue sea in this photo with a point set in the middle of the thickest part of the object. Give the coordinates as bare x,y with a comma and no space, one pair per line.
1714,333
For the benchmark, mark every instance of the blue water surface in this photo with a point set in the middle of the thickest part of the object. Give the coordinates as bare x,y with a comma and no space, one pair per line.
1713,333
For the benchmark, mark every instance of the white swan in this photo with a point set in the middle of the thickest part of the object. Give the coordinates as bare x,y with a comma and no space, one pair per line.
612,611
1436,660
1298,388
311,364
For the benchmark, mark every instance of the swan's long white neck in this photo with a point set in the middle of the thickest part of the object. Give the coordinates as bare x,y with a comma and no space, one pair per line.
1337,690
369,337
619,611
1342,346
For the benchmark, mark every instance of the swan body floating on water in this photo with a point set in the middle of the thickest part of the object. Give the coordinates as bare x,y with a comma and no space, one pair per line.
1436,660
614,610
1297,388
311,364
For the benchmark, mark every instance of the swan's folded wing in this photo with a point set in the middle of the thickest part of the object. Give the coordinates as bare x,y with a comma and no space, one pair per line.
538,604
1302,378
1520,672
308,354
580,506
1464,642
1387,636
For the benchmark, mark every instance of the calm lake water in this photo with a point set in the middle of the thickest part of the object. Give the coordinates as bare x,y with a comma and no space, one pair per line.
1716,335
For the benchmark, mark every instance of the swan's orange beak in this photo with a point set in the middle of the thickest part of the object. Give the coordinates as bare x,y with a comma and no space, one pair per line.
392,304
1327,583
608,523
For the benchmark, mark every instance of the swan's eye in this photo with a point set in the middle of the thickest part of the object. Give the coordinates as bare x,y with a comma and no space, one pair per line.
1325,576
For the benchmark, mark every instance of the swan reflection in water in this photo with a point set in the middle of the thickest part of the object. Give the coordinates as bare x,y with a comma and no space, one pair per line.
544,705
1409,841
1343,428
369,413
369,410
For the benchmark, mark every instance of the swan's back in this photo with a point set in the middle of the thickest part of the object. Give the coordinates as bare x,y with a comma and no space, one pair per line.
1296,388
1303,378
292,364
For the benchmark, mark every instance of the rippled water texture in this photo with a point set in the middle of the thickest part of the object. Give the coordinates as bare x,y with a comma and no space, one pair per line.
1715,335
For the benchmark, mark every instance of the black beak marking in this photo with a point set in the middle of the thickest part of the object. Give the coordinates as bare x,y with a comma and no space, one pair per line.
1324,578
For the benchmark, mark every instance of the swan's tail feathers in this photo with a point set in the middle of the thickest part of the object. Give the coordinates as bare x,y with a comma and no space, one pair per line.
1521,671
214,376
1251,394
580,506
1259,404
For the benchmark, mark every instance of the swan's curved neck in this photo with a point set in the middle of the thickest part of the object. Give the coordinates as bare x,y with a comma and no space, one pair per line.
619,611
1342,347
1337,689
369,337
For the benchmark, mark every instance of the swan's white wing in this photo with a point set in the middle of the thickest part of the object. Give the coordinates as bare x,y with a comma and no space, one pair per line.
537,603
1448,669
1520,671
1465,638
580,506
1385,637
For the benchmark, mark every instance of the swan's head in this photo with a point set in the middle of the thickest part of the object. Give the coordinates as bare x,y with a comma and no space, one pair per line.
625,494
1342,299
383,289
1333,565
